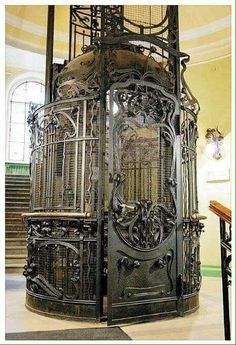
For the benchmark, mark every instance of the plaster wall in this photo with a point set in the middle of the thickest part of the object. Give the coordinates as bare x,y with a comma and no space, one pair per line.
211,84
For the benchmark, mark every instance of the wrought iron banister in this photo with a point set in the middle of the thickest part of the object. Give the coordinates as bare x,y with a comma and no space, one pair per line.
224,215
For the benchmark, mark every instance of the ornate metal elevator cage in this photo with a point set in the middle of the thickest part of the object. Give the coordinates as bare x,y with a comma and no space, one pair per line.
114,226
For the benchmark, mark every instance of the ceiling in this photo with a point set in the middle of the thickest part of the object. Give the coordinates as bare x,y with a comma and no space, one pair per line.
205,31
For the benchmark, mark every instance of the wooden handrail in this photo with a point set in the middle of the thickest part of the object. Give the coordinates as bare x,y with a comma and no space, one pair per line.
221,211
57,215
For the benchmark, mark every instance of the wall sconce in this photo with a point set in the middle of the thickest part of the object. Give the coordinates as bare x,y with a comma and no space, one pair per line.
214,141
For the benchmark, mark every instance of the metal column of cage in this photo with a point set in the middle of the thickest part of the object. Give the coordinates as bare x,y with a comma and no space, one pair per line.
114,226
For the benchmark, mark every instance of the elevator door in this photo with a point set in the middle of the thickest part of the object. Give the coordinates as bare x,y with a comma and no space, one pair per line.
144,231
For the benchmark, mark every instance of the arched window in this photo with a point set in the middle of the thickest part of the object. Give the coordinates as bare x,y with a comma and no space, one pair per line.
22,96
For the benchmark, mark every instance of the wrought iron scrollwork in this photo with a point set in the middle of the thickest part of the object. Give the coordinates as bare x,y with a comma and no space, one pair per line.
127,263
59,248
143,223
192,265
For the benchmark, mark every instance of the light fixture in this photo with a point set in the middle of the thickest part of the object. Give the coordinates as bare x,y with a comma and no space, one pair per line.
214,141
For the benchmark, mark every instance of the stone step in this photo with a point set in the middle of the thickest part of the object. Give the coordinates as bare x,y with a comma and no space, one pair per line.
13,214
16,234
18,201
17,189
16,181
14,194
17,176
15,259
16,250
14,268
14,220
16,208
15,242
19,227
19,198
18,186
15,225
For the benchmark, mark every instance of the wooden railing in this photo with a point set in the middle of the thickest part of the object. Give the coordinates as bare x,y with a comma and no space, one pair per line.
224,215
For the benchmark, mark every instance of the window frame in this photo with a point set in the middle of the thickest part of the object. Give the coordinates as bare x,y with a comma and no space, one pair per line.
16,82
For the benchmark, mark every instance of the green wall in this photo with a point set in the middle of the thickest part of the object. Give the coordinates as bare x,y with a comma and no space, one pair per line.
16,169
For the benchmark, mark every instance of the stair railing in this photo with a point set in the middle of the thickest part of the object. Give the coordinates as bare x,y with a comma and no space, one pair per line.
224,215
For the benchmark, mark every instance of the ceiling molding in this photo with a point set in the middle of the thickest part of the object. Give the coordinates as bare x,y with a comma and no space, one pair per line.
22,44
186,35
38,30
225,42
206,30
209,60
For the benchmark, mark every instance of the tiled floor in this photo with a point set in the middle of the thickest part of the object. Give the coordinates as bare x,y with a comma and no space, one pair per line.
205,324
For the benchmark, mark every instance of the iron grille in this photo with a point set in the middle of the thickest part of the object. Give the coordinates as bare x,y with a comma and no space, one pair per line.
64,157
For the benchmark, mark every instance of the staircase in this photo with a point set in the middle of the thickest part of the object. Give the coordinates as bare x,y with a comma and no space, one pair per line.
17,194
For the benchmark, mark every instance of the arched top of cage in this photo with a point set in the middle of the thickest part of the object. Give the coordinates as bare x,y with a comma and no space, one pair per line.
81,76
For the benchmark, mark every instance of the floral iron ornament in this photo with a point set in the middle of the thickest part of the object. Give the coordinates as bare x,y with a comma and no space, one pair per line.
143,224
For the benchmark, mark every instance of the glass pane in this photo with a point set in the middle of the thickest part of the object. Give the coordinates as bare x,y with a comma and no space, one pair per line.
17,132
27,153
27,135
17,112
16,151
34,92
27,107
19,93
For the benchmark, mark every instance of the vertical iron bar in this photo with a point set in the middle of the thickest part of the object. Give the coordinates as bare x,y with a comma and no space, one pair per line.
101,162
81,251
195,186
70,32
122,10
225,290
76,160
83,158
44,176
39,154
175,69
63,173
91,25
49,54
174,25
53,167
190,193
48,168
74,41
33,179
